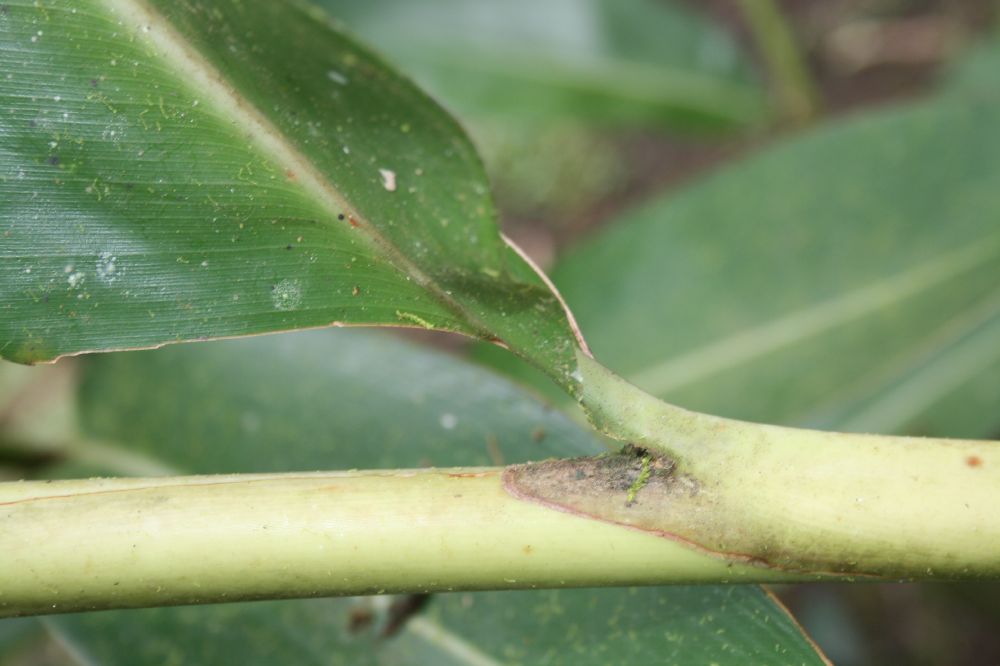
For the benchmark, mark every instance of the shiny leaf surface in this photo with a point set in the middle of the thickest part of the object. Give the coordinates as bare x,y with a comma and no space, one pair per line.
180,171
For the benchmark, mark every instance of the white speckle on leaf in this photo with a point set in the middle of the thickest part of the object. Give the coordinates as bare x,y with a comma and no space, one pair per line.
336,77
577,376
388,179
75,279
107,268
286,295
449,421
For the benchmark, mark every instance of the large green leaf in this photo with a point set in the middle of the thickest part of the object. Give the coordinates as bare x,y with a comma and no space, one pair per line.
176,171
681,625
594,60
321,400
847,278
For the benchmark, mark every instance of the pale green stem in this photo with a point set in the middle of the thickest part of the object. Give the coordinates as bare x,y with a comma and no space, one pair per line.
789,73
804,500
112,543
704,499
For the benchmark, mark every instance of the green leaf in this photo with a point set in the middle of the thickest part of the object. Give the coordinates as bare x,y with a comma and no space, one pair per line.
735,625
180,171
13,633
632,61
320,400
975,72
317,400
843,279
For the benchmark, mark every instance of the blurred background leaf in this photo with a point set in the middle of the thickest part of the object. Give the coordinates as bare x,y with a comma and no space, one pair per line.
976,71
603,61
846,278
322,400
15,638
552,92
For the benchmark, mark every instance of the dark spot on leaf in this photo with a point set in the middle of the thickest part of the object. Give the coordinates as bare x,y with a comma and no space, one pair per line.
54,160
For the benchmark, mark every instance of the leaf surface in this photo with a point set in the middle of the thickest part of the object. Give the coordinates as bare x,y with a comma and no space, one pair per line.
319,400
180,171
601,61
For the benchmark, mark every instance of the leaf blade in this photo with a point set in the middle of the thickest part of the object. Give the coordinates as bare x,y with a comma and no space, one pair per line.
189,177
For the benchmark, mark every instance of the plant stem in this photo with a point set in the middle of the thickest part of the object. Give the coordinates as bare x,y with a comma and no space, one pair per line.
114,543
791,83
804,500
694,498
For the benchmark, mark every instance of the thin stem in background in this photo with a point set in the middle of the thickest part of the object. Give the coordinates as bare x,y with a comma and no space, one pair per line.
791,82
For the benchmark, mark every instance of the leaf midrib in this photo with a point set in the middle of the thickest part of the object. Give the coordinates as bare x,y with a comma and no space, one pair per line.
799,325
939,343
935,378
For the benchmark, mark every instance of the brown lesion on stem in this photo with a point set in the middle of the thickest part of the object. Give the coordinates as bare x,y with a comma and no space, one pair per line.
644,490
633,487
